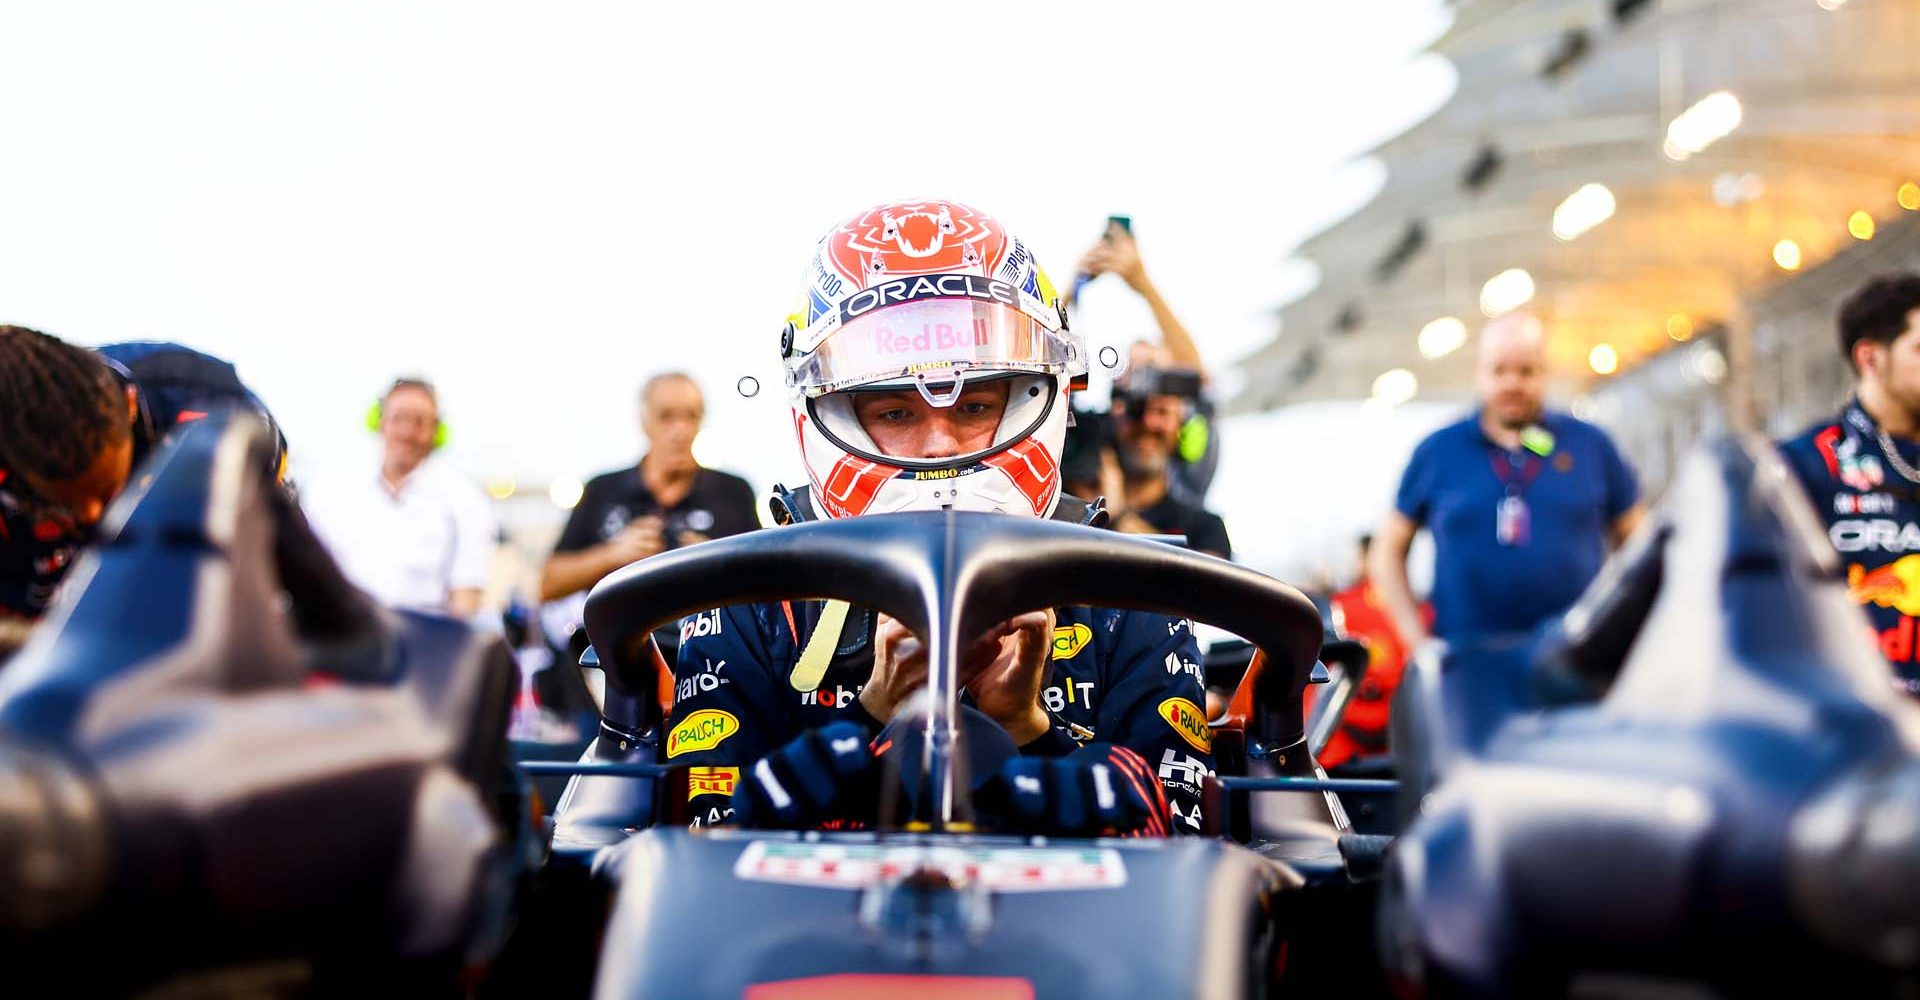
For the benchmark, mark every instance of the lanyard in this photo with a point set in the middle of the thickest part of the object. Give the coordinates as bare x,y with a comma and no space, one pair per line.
1503,469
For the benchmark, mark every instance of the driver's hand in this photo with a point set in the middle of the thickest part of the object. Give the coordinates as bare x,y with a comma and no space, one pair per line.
1100,790
799,784
900,665
642,537
1007,687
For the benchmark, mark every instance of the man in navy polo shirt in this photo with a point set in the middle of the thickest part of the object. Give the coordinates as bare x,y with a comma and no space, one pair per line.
1523,503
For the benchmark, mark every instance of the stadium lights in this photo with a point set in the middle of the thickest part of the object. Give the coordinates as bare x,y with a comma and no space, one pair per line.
1707,122
1708,364
1603,359
1395,386
565,493
1860,225
1680,327
1910,196
1786,253
1583,210
1506,291
1442,337
1732,190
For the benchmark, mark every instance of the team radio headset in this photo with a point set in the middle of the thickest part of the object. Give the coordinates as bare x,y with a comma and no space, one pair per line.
377,412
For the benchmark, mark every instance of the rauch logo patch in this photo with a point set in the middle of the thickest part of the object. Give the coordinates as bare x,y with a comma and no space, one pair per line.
1069,640
704,730
1186,719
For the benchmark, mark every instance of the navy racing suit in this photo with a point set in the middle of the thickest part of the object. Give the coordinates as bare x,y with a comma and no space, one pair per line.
1128,678
1872,513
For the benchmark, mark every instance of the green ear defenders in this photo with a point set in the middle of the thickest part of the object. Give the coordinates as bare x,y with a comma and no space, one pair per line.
375,412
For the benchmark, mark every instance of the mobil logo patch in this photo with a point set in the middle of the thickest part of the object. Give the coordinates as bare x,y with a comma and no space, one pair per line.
703,730
703,624
840,696
1189,721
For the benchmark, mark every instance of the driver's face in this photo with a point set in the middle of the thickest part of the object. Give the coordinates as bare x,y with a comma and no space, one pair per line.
904,425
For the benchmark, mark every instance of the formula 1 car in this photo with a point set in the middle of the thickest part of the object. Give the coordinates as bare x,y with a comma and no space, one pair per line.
225,772
1699,783
933,906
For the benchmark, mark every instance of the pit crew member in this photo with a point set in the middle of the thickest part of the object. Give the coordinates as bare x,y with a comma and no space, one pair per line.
74,424
1861,469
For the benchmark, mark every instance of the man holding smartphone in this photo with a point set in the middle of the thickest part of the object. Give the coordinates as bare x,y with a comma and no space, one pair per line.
1171,368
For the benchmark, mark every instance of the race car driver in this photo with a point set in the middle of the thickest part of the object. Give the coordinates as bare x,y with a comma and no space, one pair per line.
1862,469
931,369
74,424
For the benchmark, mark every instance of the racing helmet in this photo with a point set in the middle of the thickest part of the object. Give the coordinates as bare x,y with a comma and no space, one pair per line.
930,296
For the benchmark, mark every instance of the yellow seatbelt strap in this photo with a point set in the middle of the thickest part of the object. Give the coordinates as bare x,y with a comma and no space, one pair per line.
811,668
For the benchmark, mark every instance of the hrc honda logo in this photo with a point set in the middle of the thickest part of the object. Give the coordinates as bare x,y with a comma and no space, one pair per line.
1183,768
703,624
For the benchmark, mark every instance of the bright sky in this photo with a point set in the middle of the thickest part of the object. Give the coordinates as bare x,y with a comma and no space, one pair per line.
538,205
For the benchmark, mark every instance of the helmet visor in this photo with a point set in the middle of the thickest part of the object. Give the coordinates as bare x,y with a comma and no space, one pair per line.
923,340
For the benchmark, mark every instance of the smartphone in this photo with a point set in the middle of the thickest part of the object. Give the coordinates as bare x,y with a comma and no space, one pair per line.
1125,222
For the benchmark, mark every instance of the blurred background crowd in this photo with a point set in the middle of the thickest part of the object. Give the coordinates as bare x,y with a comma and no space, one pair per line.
510,282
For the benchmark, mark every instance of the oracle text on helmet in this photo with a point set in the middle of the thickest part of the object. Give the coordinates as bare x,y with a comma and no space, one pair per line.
928,286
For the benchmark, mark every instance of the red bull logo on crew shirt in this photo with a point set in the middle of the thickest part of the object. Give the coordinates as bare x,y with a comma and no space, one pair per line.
1895,586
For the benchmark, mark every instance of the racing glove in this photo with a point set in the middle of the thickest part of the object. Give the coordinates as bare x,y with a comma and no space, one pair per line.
1098,790
800,784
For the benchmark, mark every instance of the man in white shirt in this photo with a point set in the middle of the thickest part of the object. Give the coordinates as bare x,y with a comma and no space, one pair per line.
414,534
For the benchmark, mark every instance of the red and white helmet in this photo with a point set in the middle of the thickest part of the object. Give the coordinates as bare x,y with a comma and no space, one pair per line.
930,295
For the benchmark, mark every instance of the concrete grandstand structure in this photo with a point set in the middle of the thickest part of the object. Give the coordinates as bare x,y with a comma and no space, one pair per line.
1754,158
